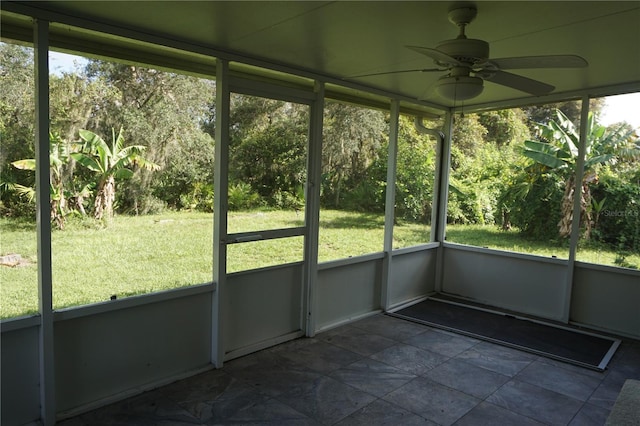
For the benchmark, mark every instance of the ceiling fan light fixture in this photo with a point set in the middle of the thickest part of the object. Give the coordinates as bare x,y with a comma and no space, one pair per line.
459,88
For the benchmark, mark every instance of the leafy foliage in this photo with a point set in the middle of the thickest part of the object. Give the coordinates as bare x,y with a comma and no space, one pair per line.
496,178
109,163
557,151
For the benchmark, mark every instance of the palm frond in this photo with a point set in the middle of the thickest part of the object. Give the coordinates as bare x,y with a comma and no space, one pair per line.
27,164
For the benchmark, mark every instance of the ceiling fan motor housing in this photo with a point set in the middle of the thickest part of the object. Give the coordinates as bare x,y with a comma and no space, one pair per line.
459,88
466,50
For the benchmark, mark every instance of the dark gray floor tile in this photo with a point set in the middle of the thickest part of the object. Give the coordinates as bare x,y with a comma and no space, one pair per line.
532,401
590,415
383,413
273,376
261,359
432,401
316,355
605,395
204,387
147,409
75,421
358,341
287,384
486,414
442,342
569,383
627,361
371,376
467,378
409,358
497,358
219,396
326,400
390,327
223,409
269,412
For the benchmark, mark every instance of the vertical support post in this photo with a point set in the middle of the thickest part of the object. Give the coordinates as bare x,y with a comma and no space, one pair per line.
43,222
436,180
221,189
312,211
390,203
577,200
443,166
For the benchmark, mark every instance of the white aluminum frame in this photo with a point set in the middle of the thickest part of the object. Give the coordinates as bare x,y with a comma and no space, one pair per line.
43,221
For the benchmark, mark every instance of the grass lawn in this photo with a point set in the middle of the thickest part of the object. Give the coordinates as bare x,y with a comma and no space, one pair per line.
136,255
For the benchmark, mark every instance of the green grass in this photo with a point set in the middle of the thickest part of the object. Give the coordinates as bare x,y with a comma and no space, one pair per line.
137,255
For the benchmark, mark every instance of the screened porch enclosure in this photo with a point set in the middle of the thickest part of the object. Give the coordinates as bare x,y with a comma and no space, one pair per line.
63,362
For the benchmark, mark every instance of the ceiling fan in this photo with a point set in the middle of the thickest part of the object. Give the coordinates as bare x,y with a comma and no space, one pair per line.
468,64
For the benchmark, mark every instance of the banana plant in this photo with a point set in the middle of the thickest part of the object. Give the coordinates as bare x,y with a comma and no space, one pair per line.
557,149
109,162
60,152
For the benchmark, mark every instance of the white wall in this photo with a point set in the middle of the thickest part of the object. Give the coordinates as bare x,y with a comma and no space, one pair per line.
607,298
529,284
102,355
412,275
347,290
20,369
260,306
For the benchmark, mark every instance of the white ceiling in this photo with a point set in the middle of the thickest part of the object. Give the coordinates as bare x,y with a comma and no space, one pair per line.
344,39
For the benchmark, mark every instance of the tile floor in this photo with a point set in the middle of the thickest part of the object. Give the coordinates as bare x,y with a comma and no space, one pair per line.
383,371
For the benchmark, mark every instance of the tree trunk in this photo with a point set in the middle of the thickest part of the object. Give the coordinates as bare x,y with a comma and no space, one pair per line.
567,209
58,202
105,198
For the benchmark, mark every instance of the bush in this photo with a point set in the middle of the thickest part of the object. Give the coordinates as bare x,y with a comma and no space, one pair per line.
538,214
618,222
241,197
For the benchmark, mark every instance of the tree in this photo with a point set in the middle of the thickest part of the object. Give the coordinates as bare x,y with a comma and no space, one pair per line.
16,126
164,111
557,150
352,139
109,163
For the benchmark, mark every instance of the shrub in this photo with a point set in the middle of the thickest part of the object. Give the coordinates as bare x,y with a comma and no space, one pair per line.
618,222
538,213
241,196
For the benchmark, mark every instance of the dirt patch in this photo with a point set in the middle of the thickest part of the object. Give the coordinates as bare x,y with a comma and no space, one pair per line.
14,260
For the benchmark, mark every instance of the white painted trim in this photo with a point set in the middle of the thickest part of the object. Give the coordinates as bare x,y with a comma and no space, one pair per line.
577,203
19,323
410,302
43,223
390,203
312,212
269,90
237,353
268,234
505,253
348,320
131,302
220,206
350,261
608,268
443,170
416,248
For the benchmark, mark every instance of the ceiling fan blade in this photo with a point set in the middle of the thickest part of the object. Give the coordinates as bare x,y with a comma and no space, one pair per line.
518,82
549,61
436,55
397,72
